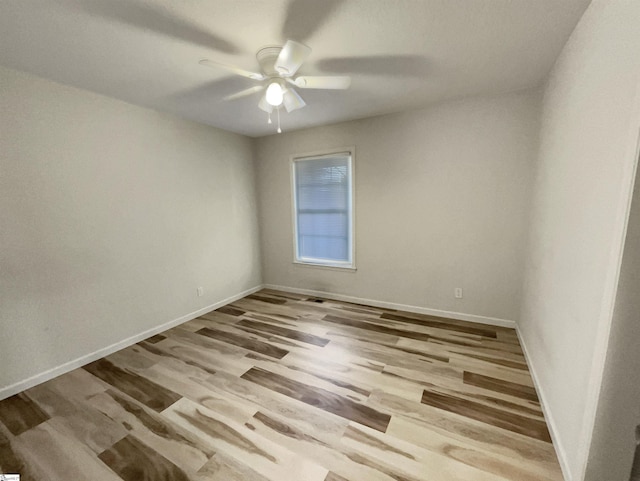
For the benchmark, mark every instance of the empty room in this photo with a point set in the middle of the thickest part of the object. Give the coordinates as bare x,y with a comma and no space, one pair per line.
319,240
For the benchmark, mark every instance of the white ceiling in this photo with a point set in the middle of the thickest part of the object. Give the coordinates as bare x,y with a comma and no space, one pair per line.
401,54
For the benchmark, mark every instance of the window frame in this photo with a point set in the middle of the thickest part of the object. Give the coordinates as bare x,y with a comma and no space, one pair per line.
322,263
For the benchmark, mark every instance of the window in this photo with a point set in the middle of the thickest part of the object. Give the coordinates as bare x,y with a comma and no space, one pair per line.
323,209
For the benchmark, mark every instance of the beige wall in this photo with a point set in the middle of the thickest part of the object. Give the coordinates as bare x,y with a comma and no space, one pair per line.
581,192
441,202
110,217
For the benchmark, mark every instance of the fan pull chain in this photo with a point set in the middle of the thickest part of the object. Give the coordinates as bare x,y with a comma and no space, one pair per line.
279,129
269,118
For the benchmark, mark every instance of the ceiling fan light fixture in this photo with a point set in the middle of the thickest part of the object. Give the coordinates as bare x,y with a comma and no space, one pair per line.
275,94
292,101
278,67
264,105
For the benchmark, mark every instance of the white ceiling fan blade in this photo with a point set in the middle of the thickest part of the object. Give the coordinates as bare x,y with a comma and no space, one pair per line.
292,101
231,68
334,83
291,57
264,105
244,93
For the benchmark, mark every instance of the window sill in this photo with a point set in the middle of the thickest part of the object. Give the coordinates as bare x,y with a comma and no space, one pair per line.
338,267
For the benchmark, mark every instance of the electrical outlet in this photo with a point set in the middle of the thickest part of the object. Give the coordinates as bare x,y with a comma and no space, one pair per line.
457,293
200,291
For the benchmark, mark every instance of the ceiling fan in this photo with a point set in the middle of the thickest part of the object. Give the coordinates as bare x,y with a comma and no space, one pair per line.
278,77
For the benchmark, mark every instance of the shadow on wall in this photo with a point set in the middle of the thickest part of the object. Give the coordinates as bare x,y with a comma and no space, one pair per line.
635,468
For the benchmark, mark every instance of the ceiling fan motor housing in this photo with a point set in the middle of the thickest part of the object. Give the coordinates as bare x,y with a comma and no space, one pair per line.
267,57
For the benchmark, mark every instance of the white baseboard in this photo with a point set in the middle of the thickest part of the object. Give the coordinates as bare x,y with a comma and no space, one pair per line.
492,321
551,424
20,386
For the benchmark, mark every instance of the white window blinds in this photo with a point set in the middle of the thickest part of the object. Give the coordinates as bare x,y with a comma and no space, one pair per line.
323,203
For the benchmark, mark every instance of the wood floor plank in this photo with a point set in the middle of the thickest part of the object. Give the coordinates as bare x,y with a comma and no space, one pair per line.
232,311
507,403
347,362
522,366
325,425
364,376
357,391
272,320
265,298
485,437
384,328
469,329
272,339
241,442
237,340
340,459
479,348
343,321
174,443
319,398
149,393
19,414
420,350
380,354
508,374
52,454
344,332
164,353
90,427
202,390
219,317
156,338
222,467
284,312
472,453
186,353
133,359
208,359
499,385
534,428
501,346
334,477
409,458
11,461
284,294
134,461
284,332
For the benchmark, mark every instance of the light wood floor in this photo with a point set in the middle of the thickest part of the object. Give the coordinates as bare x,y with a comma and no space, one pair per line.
279,387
